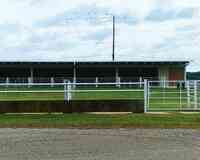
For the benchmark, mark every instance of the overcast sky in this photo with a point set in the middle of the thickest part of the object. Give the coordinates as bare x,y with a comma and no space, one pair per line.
68,30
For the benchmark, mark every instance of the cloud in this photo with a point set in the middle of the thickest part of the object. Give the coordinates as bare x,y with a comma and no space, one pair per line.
170,14
79,30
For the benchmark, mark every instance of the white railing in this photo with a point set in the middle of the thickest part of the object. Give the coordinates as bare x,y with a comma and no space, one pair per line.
70,91
173,95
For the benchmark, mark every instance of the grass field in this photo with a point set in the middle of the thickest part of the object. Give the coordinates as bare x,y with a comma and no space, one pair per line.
172,120
57,93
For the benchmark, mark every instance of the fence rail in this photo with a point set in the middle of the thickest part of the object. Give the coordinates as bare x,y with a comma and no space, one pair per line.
74,79
173,95
71,91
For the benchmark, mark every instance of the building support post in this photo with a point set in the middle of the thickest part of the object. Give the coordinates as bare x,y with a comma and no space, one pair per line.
140,82
31,74
52,81
117,78
74,75
185,74
96,81
7,81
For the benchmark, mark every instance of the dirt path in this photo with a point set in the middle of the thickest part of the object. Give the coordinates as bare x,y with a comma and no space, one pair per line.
102,144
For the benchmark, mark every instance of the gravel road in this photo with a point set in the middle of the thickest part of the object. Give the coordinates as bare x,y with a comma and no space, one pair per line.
99,144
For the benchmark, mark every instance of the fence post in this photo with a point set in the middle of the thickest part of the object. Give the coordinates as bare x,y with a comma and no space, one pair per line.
97,81
180,94
52,81
67,91
148,93
188,93
7,81
29,81
195,95
119,82
164,81
140,82
145,96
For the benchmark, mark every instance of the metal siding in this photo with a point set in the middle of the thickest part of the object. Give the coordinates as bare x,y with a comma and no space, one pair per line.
176,74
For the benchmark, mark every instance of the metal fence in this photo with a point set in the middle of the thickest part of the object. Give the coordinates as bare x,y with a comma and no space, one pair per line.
71,91
173,96
73,79
157,95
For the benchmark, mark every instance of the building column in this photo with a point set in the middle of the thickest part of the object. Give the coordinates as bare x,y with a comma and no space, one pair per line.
164,76
117,78
52,81
96,81
116,74
74,74
7,81
185,74
31,74
140,80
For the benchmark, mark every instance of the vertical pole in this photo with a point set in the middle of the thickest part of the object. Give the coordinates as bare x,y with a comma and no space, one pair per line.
185,74
29,81
31,74
164,81
188,93
7,81
145,95
67,91
180,95
52,81
117,76
113,48
140,82
74,75
97,81
198,103
195,95
148,93
119,82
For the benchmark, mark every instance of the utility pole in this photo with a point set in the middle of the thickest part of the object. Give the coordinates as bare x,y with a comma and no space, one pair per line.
113,47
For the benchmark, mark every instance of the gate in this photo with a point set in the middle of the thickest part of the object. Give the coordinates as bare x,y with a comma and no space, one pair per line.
172,96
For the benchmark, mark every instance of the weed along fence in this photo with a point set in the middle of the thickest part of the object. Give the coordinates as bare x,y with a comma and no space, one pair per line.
68,97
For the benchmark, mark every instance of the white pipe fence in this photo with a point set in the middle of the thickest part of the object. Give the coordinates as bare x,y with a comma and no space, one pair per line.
173,96
110,89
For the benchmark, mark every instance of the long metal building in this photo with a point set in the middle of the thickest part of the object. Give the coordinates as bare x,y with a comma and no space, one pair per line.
89,71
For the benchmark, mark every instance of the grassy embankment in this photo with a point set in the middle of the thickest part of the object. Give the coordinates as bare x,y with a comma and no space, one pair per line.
172,120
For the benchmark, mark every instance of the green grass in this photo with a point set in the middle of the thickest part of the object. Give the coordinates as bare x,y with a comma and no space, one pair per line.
51,95
31,96
102,121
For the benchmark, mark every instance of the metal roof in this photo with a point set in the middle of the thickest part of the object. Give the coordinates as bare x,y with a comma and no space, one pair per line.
94,62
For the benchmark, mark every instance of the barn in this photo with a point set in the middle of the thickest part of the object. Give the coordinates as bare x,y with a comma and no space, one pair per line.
107,71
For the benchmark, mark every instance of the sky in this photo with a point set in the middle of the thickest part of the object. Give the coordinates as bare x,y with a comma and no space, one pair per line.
77,30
